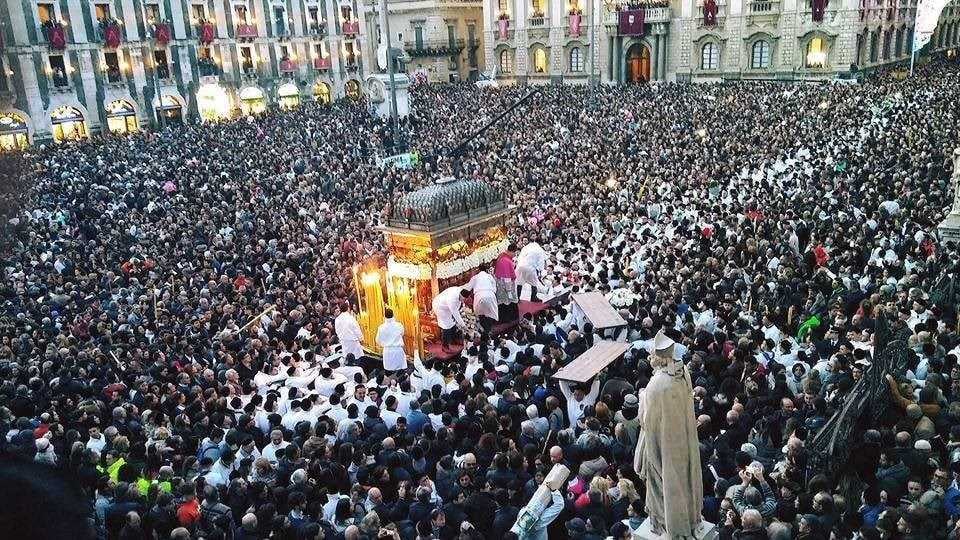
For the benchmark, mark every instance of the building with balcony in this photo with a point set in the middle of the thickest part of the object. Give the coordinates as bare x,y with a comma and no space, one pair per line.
539,41
76,67
442,38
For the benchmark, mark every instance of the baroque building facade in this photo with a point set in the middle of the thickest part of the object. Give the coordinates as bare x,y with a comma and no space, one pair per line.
75,67
441,39
536,41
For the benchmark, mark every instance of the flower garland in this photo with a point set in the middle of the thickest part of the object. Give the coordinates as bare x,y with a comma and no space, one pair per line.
450,268
621,298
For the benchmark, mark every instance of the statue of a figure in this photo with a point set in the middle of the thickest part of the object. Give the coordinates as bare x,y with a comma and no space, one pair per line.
668,452
955,182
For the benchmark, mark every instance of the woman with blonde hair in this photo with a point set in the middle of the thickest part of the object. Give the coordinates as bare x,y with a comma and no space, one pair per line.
626,493
596,497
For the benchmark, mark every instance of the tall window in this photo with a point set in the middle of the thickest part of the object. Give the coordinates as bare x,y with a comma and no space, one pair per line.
284,52
153,13
451,35
418,37
816,53
874,45
240,14
246,59
45,12
576,60
760,55
898,49
886,45
102,11
506,62
279,20
314,16
540,64
160,61
198,13
58,70
112,61
538,7
4,85
710,56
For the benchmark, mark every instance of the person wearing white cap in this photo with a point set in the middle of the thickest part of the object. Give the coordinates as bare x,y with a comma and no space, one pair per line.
390,337
348,332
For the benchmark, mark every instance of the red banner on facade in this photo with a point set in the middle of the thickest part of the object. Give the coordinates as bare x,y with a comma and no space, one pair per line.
575,24
631,22
206,33
58,40
111,35
162,33
710,9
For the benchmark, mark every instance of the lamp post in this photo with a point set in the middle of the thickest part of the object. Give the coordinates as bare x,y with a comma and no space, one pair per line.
158,111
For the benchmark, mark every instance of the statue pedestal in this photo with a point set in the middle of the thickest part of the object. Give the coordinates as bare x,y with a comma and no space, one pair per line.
378,93
705,531
949,229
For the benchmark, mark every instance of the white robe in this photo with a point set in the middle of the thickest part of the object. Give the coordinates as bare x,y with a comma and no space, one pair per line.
484,288
446,306
349,333
390,337
530,262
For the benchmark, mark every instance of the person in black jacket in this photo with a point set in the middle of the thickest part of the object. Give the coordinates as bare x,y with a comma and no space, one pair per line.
506,514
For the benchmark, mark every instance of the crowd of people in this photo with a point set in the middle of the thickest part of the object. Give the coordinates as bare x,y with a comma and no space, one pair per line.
765,227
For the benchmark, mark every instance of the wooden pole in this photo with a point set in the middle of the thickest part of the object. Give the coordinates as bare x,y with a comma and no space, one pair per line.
257,318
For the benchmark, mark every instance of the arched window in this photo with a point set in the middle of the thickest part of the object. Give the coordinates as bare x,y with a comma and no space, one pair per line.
506,62
898,43
816,53
576,60
760,55
710,56
886,45
874,46
540,64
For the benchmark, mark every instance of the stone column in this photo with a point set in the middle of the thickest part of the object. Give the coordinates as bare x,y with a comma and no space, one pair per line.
663,56
655,65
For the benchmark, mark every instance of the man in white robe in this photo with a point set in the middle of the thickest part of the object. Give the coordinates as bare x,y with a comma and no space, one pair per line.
484,288
446,307
530,262
349,332
390,338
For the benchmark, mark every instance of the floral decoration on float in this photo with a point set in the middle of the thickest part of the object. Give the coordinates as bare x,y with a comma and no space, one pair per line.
457,261
621,298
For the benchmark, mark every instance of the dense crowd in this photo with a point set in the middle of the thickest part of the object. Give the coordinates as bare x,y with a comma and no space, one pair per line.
765,227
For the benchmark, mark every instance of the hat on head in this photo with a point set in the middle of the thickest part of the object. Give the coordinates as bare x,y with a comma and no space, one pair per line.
922,445
663,344
630,401
576,526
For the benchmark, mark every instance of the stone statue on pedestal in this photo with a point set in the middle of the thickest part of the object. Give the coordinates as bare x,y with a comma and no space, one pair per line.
667,457
949,228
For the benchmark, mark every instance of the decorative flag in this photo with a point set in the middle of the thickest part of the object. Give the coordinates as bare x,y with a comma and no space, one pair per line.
162,33
928,13
710,9
819,8
631,22
111,35
58,39
503,25
206,33
575,24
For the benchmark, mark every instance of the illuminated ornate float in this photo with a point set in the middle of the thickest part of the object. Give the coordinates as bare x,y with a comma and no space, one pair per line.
437,236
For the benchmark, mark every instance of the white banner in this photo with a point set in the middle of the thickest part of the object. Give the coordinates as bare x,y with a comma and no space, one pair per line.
928,12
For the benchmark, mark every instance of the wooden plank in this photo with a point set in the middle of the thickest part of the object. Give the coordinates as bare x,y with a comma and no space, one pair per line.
595,360
598,311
